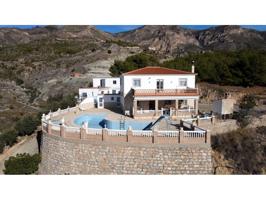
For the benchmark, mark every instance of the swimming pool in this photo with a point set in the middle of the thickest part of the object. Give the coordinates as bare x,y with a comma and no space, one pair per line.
100,120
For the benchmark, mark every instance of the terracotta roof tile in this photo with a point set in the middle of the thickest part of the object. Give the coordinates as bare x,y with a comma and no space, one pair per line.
156,70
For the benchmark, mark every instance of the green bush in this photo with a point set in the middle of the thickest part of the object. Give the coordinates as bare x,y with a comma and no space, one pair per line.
22,164
248,102
26,125
19,81
2,146
133,62
9,138
59,101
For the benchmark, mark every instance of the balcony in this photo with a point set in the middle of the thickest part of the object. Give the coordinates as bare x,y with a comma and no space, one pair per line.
166,92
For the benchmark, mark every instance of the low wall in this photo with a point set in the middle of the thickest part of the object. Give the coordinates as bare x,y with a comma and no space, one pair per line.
69,156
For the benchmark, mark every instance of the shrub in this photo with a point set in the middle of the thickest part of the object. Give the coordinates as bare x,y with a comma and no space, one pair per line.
59,101
19,81
2,146
242,118
243,148
26,125
248,102
9,138
133,62
22,164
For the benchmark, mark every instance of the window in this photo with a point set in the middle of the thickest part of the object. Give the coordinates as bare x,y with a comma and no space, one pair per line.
112,98
113,91
102,92
114,82
159,84
182,82
84,94
136,83
118,99
102,82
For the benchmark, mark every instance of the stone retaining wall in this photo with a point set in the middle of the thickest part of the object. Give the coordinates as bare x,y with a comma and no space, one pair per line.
69,156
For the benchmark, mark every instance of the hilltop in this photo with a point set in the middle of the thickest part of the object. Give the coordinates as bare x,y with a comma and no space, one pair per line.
176,40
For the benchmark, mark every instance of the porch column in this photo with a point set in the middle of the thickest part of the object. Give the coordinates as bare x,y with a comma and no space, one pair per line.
156,107
135,107
176,107
196,106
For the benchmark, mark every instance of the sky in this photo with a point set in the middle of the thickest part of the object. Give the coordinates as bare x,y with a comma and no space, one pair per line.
122,28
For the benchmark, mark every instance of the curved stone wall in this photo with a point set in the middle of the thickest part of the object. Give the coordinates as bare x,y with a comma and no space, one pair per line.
69,156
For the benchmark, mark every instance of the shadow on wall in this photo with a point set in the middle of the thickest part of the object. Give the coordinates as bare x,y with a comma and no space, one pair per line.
39,140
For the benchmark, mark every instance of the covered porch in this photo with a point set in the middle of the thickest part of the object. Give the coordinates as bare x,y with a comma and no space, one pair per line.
179,107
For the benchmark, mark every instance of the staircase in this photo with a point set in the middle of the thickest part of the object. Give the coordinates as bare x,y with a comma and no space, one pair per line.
122,123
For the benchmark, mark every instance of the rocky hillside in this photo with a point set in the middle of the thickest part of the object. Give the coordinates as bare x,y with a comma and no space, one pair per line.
44,61
47,61
165,39
175,40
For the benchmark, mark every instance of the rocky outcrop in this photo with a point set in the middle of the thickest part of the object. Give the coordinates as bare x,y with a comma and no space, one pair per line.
176,40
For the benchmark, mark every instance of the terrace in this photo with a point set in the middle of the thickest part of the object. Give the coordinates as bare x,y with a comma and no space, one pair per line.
187,133
166,92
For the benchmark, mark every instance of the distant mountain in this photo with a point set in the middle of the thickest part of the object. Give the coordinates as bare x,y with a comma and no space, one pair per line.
231,38
12,36
177,40
165,39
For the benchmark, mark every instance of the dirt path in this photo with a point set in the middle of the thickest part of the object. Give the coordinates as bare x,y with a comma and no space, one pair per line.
27,145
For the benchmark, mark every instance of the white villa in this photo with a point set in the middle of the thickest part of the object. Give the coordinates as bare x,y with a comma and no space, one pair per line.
145,92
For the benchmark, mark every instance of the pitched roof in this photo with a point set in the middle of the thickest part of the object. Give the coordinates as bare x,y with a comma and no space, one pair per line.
156,70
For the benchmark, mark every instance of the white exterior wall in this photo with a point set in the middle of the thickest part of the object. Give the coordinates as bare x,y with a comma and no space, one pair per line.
96,82
94,92
91,92
149,82
224,106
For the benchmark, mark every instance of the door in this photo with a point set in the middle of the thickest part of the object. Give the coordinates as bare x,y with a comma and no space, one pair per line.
100,103
159,84
102,82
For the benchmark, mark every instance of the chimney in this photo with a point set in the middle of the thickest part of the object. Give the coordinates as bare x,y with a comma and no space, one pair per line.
193,67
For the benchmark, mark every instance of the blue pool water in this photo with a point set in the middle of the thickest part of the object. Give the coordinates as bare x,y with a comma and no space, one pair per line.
99,121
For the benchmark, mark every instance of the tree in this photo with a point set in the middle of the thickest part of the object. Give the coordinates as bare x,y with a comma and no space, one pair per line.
26,125
22,164
10,137
2,146
248,102
133,62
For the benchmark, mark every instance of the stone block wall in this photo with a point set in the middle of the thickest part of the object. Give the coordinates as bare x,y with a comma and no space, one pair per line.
67,156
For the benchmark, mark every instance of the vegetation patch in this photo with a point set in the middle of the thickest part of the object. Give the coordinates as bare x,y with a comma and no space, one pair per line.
240,68
22,164
133,62
248,102
244,149
8,138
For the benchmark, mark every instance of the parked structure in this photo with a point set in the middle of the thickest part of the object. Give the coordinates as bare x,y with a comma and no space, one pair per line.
146,92
224,107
